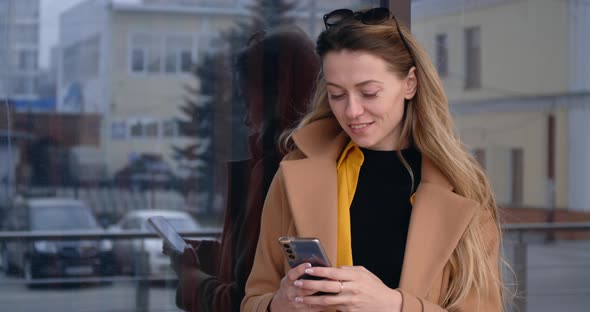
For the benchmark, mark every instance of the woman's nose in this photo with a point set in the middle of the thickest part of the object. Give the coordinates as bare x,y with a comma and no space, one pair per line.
353,108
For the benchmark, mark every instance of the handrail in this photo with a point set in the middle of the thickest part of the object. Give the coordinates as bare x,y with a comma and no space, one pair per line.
562,226
88,235
216,232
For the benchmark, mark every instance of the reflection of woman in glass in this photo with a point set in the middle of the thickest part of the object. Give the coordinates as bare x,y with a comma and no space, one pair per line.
276,72
378,175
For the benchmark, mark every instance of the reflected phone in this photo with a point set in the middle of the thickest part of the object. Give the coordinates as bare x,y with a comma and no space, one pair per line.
298,250
167,232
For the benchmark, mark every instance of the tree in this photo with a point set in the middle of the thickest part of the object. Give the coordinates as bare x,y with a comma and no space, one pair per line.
214,111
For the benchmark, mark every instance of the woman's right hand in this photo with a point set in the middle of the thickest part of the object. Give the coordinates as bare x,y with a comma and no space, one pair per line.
284,299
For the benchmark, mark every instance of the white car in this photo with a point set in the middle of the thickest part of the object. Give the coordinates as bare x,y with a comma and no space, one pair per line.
144,256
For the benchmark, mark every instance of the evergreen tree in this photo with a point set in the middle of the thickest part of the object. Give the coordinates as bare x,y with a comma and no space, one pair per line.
214,111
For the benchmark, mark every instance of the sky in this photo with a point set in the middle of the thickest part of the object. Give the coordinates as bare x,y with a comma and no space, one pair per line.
49,33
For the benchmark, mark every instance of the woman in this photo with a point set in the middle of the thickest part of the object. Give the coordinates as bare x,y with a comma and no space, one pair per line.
376,172
276,91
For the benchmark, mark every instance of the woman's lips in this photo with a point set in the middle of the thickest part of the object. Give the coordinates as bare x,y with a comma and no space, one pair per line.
359,127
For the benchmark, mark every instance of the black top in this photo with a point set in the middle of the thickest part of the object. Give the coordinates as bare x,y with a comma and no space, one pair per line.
380,212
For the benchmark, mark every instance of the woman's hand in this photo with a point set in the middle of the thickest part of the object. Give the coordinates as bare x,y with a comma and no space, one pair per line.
355,288
182,261
285,298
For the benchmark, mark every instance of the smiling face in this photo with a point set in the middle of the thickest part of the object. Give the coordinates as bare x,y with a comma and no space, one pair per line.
367,98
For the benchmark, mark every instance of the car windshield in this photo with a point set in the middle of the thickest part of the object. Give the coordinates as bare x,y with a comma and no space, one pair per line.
180,224
61,217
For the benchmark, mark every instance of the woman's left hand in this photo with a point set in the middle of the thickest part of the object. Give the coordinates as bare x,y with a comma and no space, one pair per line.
354,288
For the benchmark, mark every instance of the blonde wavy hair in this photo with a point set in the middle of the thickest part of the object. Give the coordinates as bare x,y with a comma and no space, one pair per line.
428,126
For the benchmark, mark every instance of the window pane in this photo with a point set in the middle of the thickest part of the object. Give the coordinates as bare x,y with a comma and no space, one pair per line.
27,60
152,47
137,60
151,128
473,59
441,54
136,129
26,34
169,128
186,61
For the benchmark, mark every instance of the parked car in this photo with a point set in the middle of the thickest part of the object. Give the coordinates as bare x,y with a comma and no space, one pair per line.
147,171
51,258
144,256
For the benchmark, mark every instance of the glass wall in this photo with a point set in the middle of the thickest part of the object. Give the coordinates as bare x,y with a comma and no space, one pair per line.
518,88
117,110
112,111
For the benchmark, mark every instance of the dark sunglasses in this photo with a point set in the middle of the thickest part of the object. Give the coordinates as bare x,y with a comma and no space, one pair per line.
373,16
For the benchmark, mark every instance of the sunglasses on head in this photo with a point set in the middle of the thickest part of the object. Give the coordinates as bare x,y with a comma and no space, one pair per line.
373,16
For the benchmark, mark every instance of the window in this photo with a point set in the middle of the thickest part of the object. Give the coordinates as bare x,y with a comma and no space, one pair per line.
150,128
26,9
25,85
27,33
137,60
146,53
144,128
186,62
81,60
135,129
517,164
472,58
70,63
169,128
161,54
480,156
118,130
442,55
89,57
27,60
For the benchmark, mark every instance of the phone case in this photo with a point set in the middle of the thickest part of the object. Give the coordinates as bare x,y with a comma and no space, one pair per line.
298,250
167,232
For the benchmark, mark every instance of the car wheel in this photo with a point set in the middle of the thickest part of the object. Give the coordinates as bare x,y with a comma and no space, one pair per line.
29,273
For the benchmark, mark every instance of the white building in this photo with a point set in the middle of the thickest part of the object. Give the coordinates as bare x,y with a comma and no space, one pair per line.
130,61
518,82
19,49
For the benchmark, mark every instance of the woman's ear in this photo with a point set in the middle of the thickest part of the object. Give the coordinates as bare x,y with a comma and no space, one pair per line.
411,82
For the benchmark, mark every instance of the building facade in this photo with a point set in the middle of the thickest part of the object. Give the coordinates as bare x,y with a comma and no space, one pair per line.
131,63
19,51
519,105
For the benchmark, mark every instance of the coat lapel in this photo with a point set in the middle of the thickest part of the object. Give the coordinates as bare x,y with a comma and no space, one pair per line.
439,219
311,183
312,196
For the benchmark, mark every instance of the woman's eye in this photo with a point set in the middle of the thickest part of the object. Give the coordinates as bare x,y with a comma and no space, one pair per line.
336,96
369,95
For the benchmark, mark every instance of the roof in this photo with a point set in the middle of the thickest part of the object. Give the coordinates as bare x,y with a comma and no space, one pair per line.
55,201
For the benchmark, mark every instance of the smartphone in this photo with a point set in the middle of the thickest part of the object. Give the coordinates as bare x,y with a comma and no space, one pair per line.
167,232
298,250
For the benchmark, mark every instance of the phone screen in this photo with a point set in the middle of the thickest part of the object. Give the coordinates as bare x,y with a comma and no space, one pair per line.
167,232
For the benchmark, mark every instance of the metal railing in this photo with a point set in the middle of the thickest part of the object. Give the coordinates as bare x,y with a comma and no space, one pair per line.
519,263
141,278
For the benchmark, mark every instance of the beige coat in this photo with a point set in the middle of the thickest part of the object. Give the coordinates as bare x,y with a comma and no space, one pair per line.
302,201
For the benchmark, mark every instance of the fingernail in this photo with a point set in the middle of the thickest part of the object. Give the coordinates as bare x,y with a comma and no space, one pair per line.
308,265
298,299
298,283
308,271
